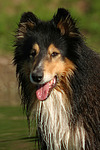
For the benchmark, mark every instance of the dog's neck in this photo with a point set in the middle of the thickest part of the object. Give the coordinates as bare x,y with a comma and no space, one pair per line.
54,116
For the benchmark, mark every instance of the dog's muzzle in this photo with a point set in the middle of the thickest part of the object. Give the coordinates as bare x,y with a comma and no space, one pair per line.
36,77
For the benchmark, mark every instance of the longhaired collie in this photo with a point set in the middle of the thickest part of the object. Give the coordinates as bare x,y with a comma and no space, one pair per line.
59,81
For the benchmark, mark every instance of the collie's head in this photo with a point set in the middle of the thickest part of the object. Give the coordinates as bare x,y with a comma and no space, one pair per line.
45,53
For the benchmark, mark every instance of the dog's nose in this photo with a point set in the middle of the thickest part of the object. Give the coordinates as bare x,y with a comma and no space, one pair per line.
36,77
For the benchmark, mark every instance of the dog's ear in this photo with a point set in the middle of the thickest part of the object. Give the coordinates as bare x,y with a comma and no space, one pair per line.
27,22
65,23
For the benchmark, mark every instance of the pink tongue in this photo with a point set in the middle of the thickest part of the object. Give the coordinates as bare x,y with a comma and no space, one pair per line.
42,92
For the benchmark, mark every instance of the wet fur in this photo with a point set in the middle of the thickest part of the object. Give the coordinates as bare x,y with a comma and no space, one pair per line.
69,118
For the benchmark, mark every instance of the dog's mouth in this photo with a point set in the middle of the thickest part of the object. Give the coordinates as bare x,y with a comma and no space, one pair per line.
43,91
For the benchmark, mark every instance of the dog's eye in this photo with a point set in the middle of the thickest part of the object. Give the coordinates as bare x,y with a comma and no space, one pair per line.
54,54
33,53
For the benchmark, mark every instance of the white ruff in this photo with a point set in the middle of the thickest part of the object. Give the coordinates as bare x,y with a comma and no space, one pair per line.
53,115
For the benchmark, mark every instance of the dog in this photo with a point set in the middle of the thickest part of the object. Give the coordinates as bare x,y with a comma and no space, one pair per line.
59,81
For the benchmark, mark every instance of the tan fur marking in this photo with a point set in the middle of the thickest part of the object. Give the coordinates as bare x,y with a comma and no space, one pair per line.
23,29
58,67
36,47
31,24
61,27
69,66
52,49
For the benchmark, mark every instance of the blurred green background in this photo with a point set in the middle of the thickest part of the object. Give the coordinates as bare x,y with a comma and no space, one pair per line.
87,13
13,124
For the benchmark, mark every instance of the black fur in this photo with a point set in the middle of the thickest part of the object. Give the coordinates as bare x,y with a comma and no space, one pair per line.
85,83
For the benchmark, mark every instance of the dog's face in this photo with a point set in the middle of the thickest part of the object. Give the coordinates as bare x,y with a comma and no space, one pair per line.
44,50
47,67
